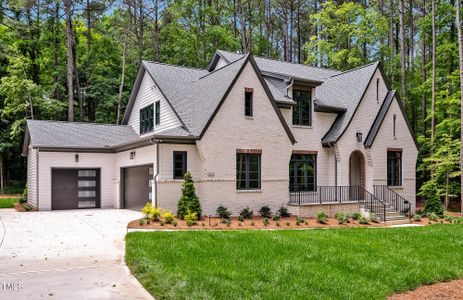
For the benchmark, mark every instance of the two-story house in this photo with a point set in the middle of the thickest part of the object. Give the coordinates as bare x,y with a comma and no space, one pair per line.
252,131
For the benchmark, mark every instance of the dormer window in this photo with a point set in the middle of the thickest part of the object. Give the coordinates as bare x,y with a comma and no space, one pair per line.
302,110
146,119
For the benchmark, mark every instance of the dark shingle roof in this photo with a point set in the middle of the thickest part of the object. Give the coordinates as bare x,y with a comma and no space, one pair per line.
344,90
79,135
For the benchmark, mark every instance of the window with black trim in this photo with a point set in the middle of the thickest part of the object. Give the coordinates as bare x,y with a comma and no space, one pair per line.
302,110
146,119
303,172
248,102
248,171
180,164
157,113
394,168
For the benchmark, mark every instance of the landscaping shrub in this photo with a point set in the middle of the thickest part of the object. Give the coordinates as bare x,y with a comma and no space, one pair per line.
356,216
223,212
240,218
417,217
283,212
363,220
146,210
433,205
374,218
433,216
277,223
23,198
27,207
276,218
155,214
190,218
341,217
246,213
265,221
265,211
141,221
168,217
299,221
448,218
322,217
188,200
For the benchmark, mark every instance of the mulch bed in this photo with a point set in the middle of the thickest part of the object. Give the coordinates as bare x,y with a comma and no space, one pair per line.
19,207
254,223
451,290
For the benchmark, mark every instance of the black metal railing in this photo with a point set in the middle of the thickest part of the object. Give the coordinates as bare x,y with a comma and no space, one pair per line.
301,195
399,203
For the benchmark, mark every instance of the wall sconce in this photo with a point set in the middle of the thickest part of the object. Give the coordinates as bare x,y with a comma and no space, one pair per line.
76,158
132,154
359,136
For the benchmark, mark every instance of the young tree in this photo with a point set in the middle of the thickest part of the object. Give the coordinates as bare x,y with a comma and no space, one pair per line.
460,55
188,201
70,68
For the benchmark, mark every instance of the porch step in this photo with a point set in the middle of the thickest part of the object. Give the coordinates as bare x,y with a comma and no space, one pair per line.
398,222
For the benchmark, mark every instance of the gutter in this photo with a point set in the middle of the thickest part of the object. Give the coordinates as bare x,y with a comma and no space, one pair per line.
154,141
290,85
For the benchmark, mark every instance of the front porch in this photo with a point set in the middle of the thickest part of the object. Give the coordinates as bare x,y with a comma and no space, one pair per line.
385,203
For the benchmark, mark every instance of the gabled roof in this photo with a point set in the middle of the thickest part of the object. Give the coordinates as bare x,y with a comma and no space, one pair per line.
344,90
380,118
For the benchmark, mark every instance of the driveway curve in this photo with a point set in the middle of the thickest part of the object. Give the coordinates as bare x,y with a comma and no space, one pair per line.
73,254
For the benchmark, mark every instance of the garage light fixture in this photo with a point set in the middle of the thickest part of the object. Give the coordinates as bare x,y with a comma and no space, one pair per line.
132,154
76,158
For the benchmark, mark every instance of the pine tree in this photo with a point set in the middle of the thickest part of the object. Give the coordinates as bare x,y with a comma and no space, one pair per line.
188,200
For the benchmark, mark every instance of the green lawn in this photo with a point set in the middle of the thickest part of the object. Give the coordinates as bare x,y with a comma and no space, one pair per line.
357,263
8,202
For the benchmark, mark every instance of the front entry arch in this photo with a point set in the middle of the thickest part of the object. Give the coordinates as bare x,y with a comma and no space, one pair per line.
357,169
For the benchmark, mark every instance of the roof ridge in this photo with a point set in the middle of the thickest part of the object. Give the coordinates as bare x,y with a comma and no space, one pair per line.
288,62
172,65
355,69
221,68
78,122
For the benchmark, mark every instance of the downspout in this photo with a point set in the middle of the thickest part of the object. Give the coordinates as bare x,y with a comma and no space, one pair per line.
291,83
331,145
156,175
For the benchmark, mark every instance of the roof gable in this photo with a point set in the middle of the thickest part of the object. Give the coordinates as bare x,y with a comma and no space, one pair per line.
382,115
340,91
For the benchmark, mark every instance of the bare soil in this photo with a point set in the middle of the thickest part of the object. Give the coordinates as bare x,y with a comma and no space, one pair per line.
20,208
451,290
254,223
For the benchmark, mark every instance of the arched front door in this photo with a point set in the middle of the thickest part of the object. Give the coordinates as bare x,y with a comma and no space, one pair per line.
357,169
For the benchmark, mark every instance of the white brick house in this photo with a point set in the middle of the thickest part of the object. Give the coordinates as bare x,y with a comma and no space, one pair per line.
252,131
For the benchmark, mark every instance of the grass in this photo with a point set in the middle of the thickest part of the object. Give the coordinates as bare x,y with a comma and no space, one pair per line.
357,263
8,202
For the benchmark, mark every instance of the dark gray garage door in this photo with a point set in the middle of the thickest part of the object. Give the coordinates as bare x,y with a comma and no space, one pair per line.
75,188
137,186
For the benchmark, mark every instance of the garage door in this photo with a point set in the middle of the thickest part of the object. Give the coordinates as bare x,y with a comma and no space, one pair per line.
75,188
137,186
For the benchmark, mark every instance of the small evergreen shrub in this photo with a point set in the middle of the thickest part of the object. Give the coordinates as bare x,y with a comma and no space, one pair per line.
363,220
168,217
141,221
341,217
265,211
288,223
283,212
433,216
175,223
188,200
190,218
417,217
322,217
299,221
265,221
433,205
246,213
148,221
240,218
155,213
374,218
356,216
223,212
225,221
276,218
27,207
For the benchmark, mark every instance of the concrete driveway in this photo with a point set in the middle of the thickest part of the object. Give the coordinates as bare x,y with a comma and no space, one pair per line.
73,254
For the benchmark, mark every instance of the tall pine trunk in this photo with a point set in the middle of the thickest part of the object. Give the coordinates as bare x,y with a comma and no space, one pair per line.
460,53
402,52
433,85
70,68
423,71
121,86
242,21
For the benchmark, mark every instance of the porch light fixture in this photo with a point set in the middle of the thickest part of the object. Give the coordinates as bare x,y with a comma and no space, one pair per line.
76,158
359,136
132,154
